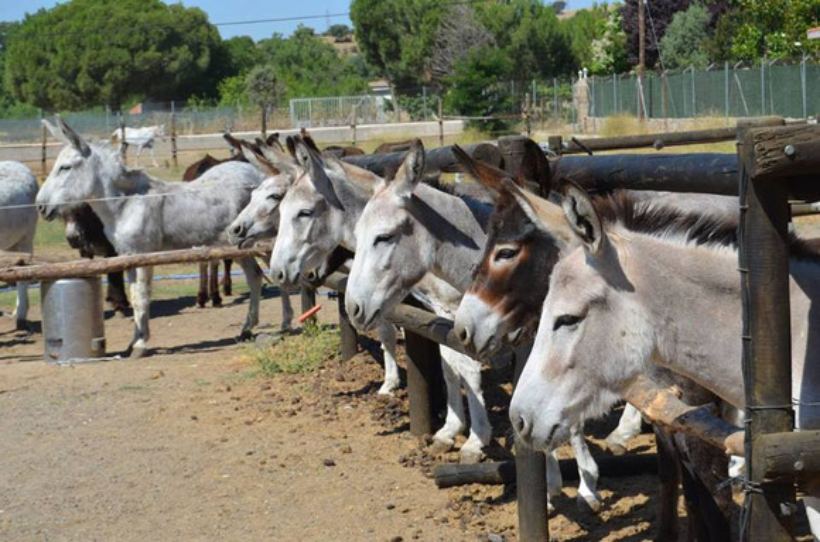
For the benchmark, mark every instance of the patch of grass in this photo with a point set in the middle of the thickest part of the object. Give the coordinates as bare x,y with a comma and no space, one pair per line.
299,353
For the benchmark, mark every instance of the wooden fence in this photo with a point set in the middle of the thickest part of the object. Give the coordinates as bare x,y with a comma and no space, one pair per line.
772,164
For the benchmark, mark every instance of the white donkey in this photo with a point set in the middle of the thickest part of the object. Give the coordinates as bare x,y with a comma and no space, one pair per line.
311,228
18,187
141,138
648,287
143,214
260,217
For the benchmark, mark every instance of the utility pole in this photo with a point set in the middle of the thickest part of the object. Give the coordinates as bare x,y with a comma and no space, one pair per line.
641,55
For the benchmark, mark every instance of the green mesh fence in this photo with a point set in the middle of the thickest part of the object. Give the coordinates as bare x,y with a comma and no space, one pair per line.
787,90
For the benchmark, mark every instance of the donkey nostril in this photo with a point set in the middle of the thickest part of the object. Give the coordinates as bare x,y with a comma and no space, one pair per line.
522,426
357,310
464,336
281,276
311,275
237,230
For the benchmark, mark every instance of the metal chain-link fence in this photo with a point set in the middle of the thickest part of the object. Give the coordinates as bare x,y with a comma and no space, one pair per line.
734,91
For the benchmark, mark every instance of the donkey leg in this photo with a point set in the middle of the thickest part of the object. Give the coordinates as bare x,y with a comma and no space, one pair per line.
115,292
254,277
202,294
629,426
153,156
481,430
587,469
21,308
213,283
227,282
454,422
387,336
287,310
141,300
554,479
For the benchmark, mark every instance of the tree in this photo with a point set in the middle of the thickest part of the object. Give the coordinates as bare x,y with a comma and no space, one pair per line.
608,53
475,87
659,14
775,29
397,37
242,54
529,33
339,31
308,66
459,32
582,29
91,52
682,45
263,86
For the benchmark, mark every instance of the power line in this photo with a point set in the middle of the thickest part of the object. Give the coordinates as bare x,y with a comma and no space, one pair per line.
282,19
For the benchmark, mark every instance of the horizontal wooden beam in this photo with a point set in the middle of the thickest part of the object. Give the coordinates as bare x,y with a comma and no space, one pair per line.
785,152
503,472
794,453
436,159
667,139
99,266
661,405
708,173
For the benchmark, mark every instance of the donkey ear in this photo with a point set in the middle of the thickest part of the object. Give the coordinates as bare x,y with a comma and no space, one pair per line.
233,142
489,176
290,142
535,168
411,171
312,162
74,139
257,160
281,161
273,141
55,132
582,217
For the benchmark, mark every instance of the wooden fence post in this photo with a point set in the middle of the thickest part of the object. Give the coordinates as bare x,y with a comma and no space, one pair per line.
440,123
123,144
423,382
349,338
174,134
353,124
530,466
764,272
43,148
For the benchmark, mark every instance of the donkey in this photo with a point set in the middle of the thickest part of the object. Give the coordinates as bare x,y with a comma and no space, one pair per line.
144,214
647,286
409,230
142,138
497,310
311,228
18,190
260,217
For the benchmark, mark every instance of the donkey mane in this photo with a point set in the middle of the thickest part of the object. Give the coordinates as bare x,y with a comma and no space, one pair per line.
643,217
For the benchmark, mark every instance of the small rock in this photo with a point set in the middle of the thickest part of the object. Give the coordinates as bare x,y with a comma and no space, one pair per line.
328,462
228,387
194,417
390,506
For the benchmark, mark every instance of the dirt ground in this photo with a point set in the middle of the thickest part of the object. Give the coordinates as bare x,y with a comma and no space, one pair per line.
193,444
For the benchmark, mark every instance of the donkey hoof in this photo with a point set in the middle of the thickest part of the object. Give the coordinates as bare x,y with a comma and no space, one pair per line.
470,457
227,291
589,503
217,302
550,507
615,447
245,336
387,388
202,301
440,446
138,352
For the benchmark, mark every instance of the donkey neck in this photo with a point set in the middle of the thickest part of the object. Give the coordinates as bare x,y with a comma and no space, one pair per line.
457,226
353,197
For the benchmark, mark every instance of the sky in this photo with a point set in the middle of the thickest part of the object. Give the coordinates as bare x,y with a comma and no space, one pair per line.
222,11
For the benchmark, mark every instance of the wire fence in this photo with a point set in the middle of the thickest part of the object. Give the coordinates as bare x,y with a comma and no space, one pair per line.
790,90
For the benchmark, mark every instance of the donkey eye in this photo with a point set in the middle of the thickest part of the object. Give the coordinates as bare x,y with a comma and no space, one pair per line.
305,213
383,238
567,320
64,168
275,197
506,254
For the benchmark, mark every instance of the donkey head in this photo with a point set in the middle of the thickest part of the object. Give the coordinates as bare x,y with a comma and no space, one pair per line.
518,252
77,174
312,216
592,338
393,251
260,217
